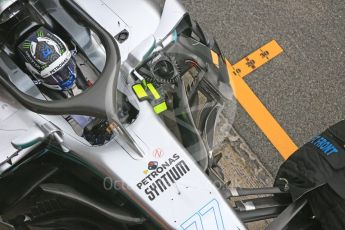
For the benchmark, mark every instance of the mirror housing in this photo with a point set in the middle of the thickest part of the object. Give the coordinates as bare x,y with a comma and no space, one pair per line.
38,134
139,54
31,137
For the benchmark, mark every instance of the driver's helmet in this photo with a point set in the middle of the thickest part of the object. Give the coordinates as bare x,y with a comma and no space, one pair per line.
48,58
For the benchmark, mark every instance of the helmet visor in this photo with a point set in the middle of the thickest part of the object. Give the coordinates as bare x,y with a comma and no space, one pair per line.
63,79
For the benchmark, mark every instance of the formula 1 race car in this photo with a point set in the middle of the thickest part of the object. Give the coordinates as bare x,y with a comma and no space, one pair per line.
108,111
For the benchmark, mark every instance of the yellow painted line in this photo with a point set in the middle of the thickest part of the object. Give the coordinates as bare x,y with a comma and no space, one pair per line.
257,59
215,58
259,113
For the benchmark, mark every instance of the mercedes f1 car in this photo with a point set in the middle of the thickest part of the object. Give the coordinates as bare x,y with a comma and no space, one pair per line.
108,111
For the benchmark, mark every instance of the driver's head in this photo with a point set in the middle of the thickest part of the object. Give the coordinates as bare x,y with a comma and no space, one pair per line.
48,58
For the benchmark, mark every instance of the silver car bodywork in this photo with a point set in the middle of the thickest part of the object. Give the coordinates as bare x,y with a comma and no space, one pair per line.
178,195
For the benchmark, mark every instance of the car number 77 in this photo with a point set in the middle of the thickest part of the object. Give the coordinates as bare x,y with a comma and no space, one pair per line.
208,217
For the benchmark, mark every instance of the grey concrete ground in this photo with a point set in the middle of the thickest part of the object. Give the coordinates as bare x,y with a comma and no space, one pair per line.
241,166
304,87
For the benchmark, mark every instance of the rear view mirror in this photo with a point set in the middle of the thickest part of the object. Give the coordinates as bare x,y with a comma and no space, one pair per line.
31,137
140,53
38,134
